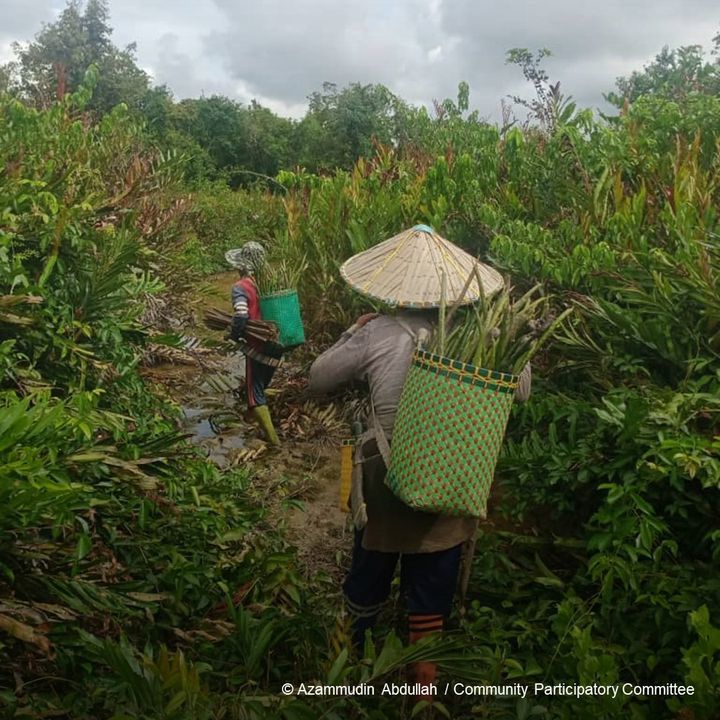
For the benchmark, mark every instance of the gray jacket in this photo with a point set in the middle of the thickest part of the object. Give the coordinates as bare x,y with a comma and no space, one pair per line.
380,353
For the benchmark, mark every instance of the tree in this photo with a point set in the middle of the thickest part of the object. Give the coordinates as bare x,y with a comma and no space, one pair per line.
451,129
7,73
549,107
672,75
269,140
157,108
95,21
55,62
216,124
341,125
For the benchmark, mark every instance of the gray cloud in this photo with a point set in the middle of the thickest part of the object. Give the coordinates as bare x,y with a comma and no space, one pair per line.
21,19
279,51
592,42
287,50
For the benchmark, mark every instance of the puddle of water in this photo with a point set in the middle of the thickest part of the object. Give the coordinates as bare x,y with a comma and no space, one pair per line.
192,412
218,444
197,422
203,430
212,415
232,442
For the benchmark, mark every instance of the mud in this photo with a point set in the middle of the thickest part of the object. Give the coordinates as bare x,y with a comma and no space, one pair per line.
306,467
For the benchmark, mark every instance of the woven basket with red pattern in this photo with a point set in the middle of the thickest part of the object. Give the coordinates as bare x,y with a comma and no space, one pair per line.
448,431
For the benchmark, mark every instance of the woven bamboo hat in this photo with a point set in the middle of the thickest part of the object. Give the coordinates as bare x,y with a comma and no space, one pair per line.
407,270
249,257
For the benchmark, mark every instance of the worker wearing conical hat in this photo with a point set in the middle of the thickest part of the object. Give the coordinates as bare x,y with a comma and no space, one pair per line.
260,357
378,349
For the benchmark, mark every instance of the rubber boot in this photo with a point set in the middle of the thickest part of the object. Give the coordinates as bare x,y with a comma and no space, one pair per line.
262,415
424,672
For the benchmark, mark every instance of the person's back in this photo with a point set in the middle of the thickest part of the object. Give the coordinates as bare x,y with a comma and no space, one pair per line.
246,303
391,342
380,352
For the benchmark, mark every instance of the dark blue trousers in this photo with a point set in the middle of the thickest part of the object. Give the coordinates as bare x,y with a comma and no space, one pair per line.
427,580
257,377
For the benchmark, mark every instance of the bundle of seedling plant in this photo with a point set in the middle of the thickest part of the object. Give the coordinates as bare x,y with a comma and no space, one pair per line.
497,332
277,282
278,275
454,408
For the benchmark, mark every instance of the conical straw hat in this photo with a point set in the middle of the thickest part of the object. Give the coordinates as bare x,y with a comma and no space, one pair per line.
407,269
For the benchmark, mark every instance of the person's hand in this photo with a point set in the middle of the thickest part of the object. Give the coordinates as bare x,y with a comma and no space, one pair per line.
365,319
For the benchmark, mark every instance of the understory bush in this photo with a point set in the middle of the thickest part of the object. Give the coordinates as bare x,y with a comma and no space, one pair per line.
136,580
127,562
610,473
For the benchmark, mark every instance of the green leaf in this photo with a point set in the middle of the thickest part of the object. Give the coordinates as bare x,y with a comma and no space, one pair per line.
83,547
337,667
177,700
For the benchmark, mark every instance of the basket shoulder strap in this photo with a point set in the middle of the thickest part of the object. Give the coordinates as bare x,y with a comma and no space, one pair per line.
419,338
380,436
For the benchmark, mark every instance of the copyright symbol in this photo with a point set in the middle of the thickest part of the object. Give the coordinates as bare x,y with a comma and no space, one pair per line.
287,689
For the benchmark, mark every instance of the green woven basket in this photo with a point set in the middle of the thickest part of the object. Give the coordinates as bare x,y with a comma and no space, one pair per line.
283,309
448,431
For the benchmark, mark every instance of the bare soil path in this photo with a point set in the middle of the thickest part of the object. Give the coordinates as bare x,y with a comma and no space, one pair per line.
305,468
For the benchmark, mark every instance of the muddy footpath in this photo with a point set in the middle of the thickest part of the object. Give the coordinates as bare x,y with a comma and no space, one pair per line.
206,379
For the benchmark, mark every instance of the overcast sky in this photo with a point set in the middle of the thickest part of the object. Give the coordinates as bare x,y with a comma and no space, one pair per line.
279,51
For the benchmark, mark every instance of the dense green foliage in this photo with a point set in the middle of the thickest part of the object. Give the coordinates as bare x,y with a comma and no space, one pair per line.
111,527
56,61
614,464
673,74
137,581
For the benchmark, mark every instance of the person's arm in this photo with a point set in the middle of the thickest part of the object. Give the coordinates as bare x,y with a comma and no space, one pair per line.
341,363
522,392
241,313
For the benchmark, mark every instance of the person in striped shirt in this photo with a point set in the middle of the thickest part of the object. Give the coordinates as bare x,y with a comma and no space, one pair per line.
261,359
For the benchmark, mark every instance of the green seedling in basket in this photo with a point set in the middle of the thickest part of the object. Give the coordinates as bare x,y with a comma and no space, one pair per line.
279,275
498,332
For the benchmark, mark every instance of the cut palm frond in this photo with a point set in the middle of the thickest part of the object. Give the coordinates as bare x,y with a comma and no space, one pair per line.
8,301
